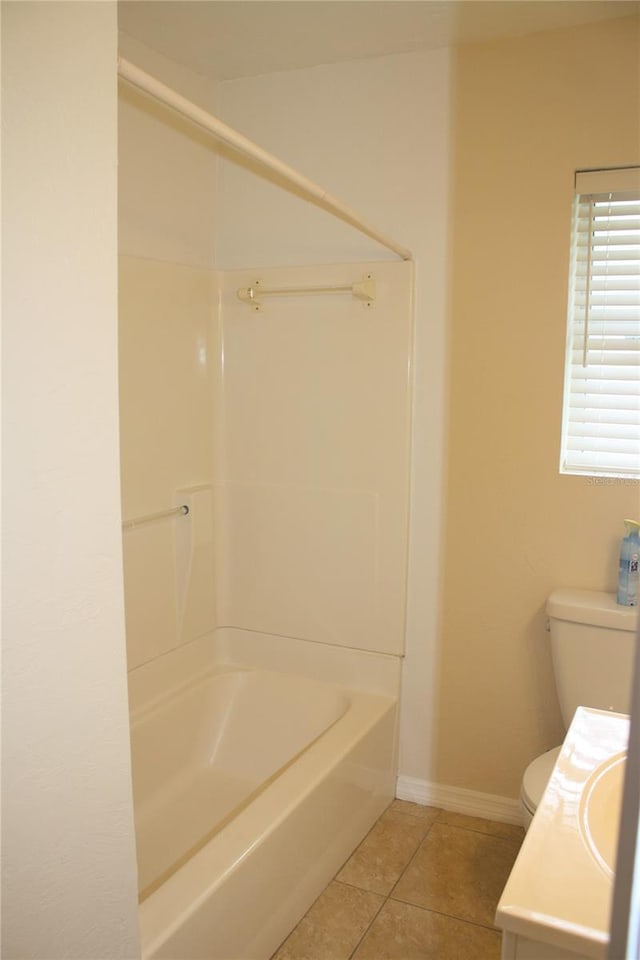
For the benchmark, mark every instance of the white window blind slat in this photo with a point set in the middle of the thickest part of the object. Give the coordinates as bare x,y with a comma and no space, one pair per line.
610,301
592,464
616,363
617,418
618,395
627,310
628,268
601,417
610,433
615,404
620,221
603,258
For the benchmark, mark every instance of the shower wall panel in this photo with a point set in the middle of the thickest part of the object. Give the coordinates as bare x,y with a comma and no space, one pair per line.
166,429
312,457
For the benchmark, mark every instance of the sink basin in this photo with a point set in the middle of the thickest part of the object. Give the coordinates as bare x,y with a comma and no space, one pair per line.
600,808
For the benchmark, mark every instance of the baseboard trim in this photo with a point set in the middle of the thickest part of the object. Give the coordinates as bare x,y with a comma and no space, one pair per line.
458,800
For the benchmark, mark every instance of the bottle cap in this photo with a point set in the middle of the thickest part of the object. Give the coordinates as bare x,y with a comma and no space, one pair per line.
632,526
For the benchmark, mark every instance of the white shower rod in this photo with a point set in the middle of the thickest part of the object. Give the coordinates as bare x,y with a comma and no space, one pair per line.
159,91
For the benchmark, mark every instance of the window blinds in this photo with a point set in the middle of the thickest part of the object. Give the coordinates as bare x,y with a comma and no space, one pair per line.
601,422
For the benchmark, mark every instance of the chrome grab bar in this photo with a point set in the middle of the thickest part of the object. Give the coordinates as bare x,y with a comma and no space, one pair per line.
182,510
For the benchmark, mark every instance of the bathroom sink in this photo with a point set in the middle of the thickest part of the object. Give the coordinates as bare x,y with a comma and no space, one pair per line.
557,901
600,808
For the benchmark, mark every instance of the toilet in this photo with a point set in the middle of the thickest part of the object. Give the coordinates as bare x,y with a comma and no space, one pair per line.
592,647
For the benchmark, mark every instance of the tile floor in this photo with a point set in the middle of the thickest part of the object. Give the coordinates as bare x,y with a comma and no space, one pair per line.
423,885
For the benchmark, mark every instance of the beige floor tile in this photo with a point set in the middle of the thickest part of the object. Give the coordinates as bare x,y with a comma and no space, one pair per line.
333,926
385,851
493,827
403,932
458,872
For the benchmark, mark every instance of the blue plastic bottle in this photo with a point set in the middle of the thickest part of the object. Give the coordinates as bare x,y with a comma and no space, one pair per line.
628,570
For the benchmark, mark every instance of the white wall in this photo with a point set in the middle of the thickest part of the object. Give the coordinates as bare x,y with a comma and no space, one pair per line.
167,172
166,180
167,364
69,875
376,134
312,476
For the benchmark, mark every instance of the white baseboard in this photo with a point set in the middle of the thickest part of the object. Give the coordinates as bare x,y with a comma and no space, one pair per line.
471,802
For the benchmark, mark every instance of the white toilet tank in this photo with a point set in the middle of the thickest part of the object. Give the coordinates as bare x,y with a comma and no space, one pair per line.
592,645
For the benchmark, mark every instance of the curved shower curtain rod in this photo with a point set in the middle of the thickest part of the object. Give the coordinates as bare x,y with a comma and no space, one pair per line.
159,91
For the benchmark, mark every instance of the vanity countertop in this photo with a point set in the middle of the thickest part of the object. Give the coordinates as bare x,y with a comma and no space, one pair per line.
559,891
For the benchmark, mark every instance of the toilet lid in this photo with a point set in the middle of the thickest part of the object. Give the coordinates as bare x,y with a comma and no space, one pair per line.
536,778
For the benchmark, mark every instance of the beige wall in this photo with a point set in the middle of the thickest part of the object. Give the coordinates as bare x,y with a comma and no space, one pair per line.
68,857
528,112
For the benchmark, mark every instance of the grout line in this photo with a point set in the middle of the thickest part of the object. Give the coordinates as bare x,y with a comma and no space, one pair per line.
482,833
410,860
368,927
353,852
410,903
354,886
460,826
441,913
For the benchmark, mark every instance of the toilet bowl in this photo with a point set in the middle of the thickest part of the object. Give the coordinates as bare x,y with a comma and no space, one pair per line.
534,782
592,647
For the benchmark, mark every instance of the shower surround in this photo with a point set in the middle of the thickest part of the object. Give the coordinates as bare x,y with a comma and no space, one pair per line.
277,603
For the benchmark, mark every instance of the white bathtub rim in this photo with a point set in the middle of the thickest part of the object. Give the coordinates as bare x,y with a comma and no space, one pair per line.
355,668
165,911
232,647
144,709
173,669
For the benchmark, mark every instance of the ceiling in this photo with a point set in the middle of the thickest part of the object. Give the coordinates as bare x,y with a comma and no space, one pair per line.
226,39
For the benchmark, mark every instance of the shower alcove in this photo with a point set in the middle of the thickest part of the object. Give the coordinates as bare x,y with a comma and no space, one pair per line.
265,425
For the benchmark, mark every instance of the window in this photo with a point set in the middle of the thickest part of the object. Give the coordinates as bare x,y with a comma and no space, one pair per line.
601,417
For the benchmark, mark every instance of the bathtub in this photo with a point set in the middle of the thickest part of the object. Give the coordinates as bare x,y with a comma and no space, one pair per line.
251,789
